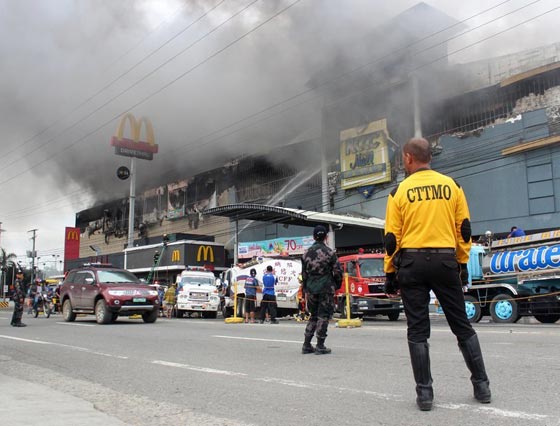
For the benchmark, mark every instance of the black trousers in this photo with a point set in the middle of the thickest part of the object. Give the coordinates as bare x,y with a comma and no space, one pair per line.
421,272
268,304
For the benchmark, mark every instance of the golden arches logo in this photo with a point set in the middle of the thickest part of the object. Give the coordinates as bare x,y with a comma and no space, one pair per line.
72,234
123,145
176,256
206,253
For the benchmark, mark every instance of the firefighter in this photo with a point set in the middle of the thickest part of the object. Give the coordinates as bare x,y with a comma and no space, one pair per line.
19,298
427,243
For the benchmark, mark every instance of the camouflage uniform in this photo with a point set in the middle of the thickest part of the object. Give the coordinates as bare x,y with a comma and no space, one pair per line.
321,275
19,298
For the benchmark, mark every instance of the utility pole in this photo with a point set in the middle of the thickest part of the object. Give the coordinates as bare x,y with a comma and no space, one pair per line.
1,230
33,255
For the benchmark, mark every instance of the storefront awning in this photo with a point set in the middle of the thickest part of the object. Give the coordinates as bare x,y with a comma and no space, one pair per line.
285,215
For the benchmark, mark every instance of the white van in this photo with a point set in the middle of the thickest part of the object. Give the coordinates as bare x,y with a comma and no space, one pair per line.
197,292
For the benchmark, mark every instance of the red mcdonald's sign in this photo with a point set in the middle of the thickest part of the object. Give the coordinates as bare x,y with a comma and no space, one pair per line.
71,243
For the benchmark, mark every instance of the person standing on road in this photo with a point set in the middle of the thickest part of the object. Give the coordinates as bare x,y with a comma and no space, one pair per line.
427,243
170,299
268,302
19,299
321,276
251,287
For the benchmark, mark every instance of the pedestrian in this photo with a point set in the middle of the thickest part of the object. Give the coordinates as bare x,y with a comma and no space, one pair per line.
321,275
19,299
516,232
268,302
32,293
170,299
427,243
251,289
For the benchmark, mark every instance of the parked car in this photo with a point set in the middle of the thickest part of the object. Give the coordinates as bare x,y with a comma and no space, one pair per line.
107,292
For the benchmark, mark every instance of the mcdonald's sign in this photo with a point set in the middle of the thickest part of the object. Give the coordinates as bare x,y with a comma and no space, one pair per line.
72,243
134,147
205,253
176,256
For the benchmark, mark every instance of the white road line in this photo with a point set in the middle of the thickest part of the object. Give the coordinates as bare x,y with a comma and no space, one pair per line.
199,369
486,411
62,345
258,339
77,324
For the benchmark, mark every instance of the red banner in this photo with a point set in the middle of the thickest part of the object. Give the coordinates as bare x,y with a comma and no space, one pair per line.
71,243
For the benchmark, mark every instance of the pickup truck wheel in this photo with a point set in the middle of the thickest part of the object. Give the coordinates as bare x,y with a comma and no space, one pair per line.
503,309
472,308
150,316
67,314
114,317
102,314
547,318
393,316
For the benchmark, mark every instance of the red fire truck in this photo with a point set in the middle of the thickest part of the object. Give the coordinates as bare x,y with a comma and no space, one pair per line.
365,286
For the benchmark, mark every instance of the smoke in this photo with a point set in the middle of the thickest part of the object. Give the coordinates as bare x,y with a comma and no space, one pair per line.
66,52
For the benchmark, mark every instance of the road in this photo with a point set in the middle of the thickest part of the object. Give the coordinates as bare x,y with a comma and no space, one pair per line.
206,372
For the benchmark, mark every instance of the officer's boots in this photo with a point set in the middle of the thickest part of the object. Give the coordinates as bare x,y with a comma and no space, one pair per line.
420,359
307,347
473,358
321,349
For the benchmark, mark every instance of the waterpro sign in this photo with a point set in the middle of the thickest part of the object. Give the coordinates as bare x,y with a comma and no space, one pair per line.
364,155
133,146
526,260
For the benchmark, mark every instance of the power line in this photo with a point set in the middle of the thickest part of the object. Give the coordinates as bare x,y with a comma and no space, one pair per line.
91,97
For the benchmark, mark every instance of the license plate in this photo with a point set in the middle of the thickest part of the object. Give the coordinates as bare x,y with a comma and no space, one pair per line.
281,297
363,308
139,299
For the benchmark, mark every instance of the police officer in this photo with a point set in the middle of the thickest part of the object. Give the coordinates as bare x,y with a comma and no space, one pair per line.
427,243
19,298
321,275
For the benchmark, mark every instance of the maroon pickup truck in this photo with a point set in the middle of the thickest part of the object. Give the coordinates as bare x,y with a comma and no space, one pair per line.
107,292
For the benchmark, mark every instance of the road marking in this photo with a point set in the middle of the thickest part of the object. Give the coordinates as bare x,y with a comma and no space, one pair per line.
62,345
199,369
77,324
258,339
487,411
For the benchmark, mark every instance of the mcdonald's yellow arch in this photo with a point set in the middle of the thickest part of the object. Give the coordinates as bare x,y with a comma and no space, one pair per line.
176,256
134,141
206,253
72,235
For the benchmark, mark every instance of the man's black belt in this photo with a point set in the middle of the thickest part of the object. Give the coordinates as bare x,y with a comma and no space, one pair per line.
428,250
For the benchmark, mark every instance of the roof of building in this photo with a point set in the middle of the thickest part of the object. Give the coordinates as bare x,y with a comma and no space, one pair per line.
285,215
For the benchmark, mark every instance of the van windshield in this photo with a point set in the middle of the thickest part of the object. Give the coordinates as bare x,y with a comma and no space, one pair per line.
371,267
201,280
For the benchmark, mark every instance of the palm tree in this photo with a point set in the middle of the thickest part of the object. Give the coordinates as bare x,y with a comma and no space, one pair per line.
6,260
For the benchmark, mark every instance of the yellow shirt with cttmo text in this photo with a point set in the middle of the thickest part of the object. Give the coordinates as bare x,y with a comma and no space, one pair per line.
426,210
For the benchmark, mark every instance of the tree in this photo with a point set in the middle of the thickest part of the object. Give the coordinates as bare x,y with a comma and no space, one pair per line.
7,260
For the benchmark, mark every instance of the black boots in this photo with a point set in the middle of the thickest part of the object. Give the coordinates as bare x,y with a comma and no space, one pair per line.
420,359
307,347
473,358
321,349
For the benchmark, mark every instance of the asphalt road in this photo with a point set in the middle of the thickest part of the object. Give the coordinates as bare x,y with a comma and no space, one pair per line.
206,372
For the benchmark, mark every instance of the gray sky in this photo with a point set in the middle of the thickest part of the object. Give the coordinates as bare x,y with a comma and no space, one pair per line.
70,67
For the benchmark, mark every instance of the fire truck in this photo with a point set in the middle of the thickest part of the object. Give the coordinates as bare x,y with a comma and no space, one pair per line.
515,277
365,284
285,269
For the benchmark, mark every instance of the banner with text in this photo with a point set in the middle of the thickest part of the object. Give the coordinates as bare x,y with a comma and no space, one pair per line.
278,246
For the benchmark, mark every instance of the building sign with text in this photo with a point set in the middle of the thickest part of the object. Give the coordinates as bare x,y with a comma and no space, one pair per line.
277,246
364,155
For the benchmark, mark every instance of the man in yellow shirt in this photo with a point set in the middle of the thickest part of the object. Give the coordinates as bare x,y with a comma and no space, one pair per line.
427,243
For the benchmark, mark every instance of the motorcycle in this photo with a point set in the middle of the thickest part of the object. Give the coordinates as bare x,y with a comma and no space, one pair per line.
44,305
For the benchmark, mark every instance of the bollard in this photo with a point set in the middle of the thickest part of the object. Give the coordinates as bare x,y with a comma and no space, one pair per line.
348,322
235,319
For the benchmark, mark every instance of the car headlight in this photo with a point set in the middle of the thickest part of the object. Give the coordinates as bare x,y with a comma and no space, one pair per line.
116,292
152,293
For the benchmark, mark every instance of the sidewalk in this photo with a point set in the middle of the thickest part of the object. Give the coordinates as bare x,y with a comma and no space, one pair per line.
25,403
